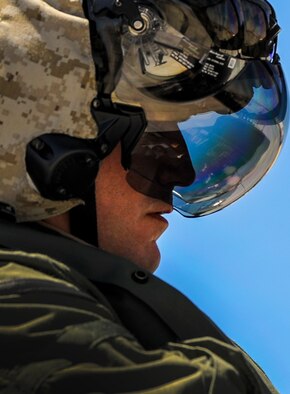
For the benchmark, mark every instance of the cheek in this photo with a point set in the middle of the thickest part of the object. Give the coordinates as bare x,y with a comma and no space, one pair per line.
117,213
124,227
118,221
121,225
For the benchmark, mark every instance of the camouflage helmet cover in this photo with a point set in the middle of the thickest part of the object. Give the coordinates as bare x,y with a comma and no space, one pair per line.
47,81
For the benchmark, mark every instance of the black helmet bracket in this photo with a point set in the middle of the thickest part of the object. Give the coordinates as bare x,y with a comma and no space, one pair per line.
64,167
126,8
106,19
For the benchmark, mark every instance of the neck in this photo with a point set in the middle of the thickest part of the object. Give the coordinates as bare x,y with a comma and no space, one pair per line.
60,222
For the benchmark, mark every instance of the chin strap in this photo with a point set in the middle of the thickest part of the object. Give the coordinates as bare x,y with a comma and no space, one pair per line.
83,219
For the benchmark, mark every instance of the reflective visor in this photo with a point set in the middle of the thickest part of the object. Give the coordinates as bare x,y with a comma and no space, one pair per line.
213,158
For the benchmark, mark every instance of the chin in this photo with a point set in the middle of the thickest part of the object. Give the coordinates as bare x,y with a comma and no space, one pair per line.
147,257
150,258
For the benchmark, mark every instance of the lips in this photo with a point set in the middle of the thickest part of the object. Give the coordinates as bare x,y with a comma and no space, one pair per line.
156,212
159,216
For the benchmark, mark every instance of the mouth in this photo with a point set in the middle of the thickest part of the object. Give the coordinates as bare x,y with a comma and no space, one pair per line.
158,216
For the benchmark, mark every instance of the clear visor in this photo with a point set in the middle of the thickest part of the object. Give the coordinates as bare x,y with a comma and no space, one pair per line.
210,159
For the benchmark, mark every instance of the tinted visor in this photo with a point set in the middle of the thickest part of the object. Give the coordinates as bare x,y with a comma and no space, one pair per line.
213,158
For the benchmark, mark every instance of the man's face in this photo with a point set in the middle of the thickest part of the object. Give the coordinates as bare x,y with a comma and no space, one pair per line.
129,223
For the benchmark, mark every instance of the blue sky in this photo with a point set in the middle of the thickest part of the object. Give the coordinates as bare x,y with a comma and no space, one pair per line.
235,264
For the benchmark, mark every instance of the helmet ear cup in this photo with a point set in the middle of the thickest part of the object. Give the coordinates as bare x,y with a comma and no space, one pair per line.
62,167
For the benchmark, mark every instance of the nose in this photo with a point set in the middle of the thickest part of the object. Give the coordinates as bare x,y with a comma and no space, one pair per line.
175,169
159,162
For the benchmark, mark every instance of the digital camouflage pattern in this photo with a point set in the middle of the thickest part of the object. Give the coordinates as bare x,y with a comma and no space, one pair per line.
47,82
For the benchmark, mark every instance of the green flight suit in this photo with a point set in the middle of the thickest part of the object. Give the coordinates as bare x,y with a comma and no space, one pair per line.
60,334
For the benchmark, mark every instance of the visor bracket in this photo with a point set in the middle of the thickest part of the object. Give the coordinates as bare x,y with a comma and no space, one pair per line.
117,123
126,8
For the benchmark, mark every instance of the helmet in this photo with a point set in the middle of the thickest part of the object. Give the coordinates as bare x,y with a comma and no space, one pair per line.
193,90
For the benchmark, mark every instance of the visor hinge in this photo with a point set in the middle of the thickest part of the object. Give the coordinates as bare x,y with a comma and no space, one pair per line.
127,8
117,123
